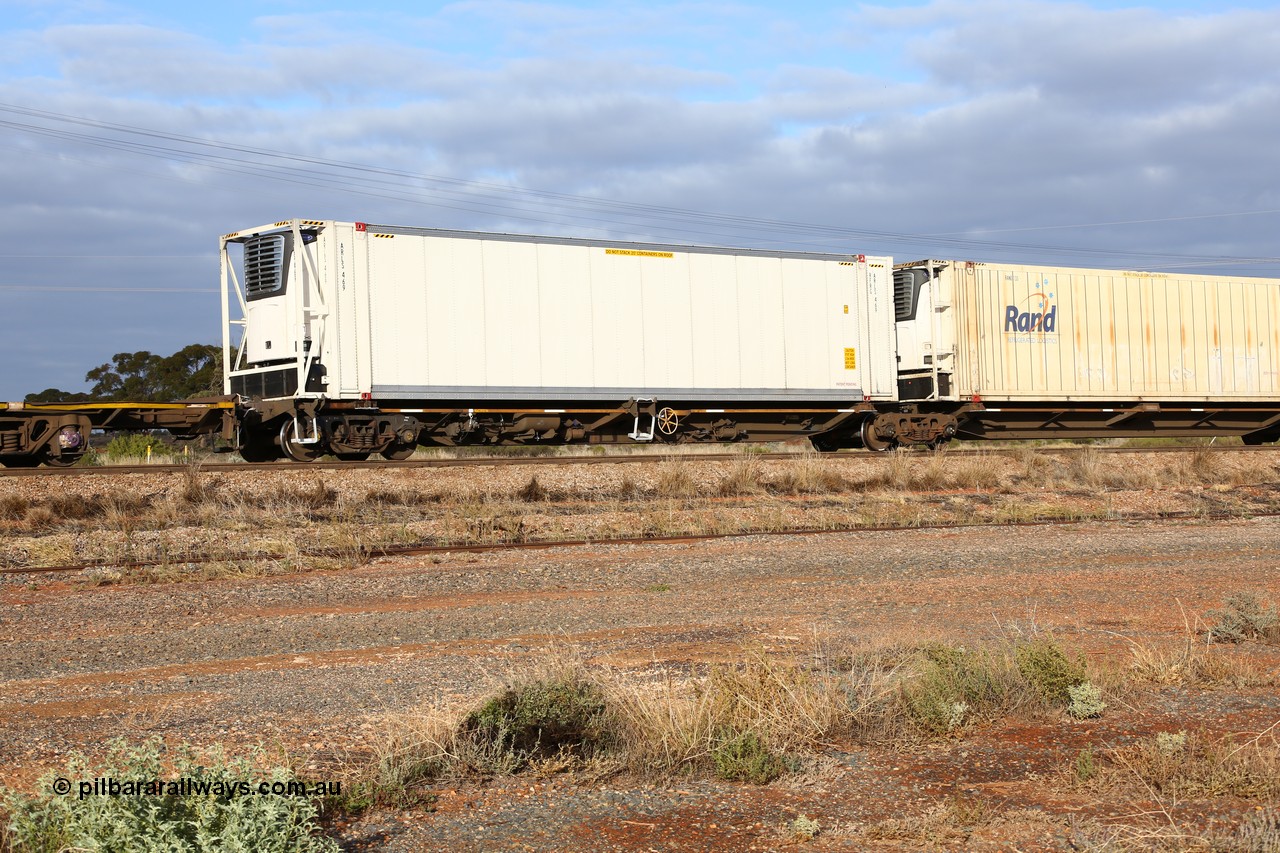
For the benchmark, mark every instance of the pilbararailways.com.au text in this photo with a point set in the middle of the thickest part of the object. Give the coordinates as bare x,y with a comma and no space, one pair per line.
188,787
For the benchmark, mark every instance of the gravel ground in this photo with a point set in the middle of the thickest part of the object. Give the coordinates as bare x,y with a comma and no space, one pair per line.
312,663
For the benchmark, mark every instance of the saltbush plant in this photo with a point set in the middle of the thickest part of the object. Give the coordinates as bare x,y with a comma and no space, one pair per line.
1243,616
236,822
956,685
1047,668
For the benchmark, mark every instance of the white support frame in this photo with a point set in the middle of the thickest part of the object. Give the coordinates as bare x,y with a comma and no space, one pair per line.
314,314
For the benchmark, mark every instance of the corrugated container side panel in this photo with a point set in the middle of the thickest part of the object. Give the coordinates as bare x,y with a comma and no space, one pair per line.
492,314
667,324
1270,336
808,357
773,372
837,292
514,300
563,318
751,355
1116,336
441,271
400,294
618,308
715,327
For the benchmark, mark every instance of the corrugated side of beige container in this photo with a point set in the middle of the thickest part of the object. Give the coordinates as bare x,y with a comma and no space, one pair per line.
1048,333
447,314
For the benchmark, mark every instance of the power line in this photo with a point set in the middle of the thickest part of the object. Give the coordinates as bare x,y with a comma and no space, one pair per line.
514,202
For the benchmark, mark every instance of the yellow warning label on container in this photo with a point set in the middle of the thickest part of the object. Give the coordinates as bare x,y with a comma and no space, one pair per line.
850,358
638,253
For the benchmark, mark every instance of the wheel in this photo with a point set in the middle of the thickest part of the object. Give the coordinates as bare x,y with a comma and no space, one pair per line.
292,448
398,452
668,421
352,457
66,460
873,442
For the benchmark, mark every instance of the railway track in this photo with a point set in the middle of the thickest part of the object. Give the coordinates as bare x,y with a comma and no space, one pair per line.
477,461
426,549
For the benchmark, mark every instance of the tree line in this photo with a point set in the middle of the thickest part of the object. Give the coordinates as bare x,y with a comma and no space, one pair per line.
193,371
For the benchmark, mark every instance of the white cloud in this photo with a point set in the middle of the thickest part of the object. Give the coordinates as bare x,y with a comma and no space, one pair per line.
948,118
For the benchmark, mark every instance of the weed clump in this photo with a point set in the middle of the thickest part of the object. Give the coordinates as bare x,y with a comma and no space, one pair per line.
1047,668
1192,764
745,757
13,507
229,817
1243,616
1086,701
540,719
956,685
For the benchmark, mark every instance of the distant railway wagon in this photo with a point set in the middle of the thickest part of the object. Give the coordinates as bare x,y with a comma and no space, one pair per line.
1048,351
353,339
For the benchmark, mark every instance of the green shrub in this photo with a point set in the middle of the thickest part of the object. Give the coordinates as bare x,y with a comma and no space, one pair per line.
1048,669
1243,616
135,445
744,757
232,823
1086,701
955,684
539,720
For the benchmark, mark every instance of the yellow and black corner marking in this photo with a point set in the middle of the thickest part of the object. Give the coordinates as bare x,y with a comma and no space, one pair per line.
386,236
639,253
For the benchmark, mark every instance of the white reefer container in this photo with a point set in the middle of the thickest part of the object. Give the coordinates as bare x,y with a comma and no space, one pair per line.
413,313
1019,332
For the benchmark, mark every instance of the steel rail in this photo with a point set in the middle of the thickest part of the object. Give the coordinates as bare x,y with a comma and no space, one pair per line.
421,549
499,461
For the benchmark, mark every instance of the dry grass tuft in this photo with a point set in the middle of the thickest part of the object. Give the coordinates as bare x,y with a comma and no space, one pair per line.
808,475
744,478
1193,765
675,480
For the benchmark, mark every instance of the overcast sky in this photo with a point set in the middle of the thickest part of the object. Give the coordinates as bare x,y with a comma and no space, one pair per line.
1089,134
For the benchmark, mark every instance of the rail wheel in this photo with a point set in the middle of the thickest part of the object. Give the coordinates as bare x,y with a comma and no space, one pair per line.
398,452
294,449
871,440
66,460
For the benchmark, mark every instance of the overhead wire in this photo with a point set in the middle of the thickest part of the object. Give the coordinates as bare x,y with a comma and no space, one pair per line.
508,201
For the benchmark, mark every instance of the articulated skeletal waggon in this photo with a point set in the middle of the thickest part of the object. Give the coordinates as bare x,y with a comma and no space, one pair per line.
352,339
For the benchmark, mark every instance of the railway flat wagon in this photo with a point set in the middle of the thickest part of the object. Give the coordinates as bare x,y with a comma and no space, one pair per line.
360,338
1039,351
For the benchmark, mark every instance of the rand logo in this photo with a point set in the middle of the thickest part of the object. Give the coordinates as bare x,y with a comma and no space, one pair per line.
1038,313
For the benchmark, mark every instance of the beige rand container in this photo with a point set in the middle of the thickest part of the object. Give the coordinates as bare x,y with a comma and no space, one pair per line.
1050,333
